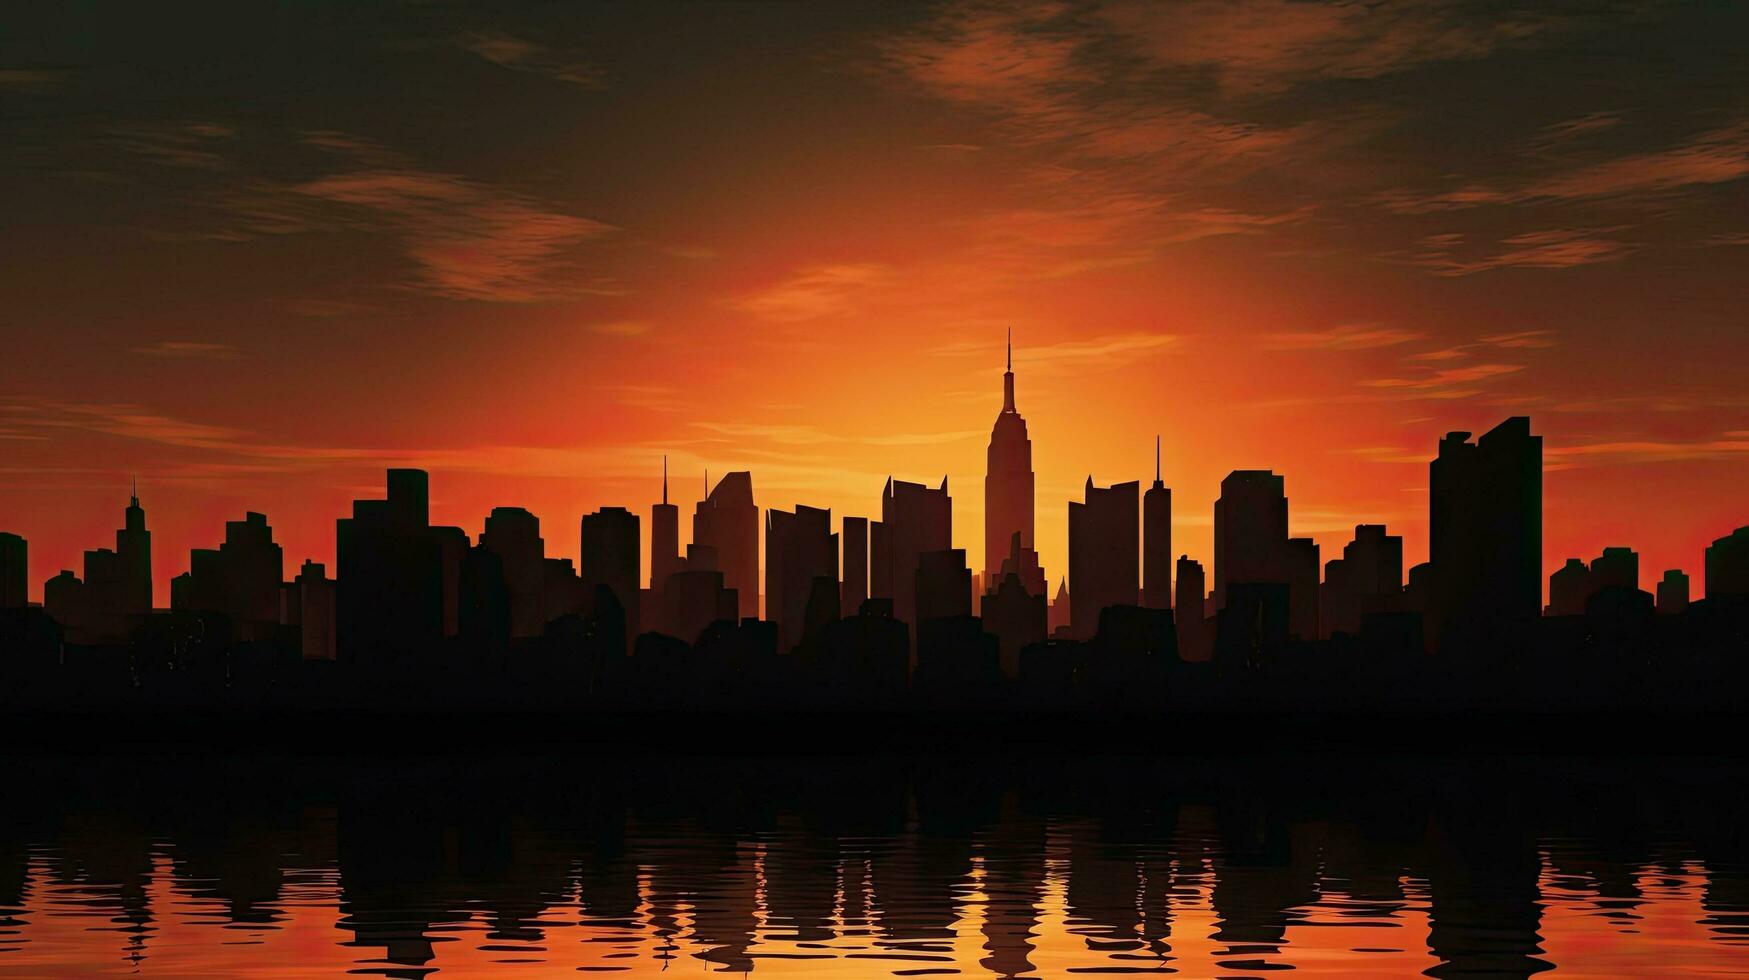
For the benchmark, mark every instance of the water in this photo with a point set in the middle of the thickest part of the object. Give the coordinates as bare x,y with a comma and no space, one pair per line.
855,867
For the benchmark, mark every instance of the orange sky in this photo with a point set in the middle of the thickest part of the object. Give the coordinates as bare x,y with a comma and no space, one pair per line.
256,257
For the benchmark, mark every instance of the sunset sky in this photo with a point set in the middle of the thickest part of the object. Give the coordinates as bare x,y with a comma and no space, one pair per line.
254,253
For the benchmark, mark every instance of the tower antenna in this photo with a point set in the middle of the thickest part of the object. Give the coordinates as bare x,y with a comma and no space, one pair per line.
664,478
1156,457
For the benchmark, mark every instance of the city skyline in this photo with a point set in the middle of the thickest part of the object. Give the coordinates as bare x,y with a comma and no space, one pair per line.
1295,240
1007,460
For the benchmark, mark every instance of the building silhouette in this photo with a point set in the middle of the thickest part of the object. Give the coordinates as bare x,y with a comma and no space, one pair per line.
513,534
389,575
800,549
665,557
240,579
1673,593
943,585
1060,610
1008,486
118,583
1195,636
1575,583
1485,535
1250,531
1368,578
1157,540
14,571
1103,546
609,557
315,616
728,521
914,520
1017,616
1727,565
854,588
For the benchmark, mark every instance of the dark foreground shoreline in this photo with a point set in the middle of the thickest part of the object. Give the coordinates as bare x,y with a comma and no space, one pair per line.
912,732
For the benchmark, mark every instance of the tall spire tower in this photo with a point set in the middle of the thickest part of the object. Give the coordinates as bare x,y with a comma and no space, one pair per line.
664,537
1157,541
1008,490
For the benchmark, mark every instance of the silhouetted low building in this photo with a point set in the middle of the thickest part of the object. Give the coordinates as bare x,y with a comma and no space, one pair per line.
1673,593
14,571
315,591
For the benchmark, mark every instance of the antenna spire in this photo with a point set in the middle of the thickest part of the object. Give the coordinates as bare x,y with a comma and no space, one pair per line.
1156,457
1010,349
664,478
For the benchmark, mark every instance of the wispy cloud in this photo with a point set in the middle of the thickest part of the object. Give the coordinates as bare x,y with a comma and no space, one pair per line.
469,240
1445,383
620,328
1269,45
1558,248
518,54
198,145
1347,337
32,79
1716,156
815,292
189,350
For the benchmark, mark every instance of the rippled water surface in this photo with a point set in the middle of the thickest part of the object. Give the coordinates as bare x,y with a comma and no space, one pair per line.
889,867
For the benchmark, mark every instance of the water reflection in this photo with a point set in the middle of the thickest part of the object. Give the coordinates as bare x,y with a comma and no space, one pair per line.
1014,867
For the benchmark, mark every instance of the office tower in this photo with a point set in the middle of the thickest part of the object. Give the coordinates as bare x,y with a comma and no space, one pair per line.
118,583
1485,535
854,589
513,534
943,585
389,575
1302,583
1615,568
1569,587
1015,615
1250,531
1157,541
1673,593
1008,483
315,591
728,520
1727,565
610,556
1194,637
1103,544
252,567
14,568
241,579
799,548
1367,578
64,599
664,537
452,555
914,520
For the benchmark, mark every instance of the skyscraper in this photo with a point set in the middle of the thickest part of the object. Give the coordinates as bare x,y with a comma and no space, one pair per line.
1008,484
1103,540
1193,631
513,534
609,555
854,589
14,567
389,575
1727,565
728,521
914,520
1367,578
1485,535
799,548
664,537
1157,541
1250,531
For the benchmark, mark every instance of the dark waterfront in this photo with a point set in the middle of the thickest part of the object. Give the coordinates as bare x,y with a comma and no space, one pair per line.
1005,864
